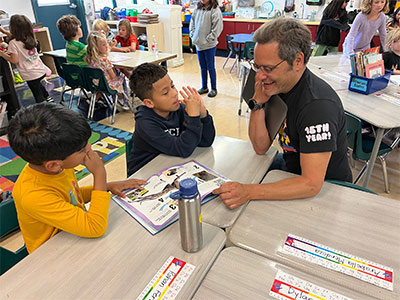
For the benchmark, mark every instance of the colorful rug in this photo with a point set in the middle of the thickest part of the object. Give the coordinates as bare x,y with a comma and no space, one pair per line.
108,142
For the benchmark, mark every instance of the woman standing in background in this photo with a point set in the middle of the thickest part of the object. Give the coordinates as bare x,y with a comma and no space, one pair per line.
205,27
334,20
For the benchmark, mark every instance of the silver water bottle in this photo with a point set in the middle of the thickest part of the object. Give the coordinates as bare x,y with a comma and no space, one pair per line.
190,216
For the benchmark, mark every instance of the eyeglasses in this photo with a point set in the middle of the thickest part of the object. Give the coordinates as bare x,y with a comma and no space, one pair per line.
265,69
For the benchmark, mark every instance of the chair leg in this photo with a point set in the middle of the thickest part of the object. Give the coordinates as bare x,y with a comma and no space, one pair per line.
361,173
385,175
351,159
234,64
71,97
91,106
229,56
244,76
62,93
114,108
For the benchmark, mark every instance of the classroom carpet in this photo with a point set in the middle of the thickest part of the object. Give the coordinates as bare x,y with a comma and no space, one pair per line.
107,141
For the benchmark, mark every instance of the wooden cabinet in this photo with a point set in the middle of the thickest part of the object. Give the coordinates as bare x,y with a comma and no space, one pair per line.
229,28
313,29
43,36
150,30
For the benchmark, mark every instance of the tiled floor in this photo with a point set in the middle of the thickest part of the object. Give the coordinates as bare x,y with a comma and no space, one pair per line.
224,109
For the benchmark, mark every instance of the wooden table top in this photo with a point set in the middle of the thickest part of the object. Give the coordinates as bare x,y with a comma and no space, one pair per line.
230,157
118,265
358,223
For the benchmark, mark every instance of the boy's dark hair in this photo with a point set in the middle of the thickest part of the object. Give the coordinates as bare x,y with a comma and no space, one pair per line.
143,77
68,26
47,131
211,4
22,30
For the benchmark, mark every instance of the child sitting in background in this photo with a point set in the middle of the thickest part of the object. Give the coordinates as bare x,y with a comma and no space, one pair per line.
54,140
365,25
392,56
126,38
163,124
97,57
333,21
102,26
394,20
70,27
22,52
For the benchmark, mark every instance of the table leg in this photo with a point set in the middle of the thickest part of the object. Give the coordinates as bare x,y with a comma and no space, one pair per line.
374,154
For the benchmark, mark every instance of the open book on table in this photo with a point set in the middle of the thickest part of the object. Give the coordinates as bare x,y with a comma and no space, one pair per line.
153,206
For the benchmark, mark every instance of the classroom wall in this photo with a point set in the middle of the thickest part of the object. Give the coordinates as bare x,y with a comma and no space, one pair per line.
21,7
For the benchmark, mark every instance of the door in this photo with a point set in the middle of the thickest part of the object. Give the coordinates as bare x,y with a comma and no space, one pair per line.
48,12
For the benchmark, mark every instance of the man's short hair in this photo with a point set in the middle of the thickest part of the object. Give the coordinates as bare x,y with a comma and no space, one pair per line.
292,36
47,131
143,77
68,26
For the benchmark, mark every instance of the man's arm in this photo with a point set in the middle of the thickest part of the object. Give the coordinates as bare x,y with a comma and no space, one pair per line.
258,132
313,165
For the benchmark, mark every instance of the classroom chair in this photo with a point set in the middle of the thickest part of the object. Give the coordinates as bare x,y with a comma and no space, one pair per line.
350,185
74,79
232,50
58,61
248,55
361,147
9,223
95,82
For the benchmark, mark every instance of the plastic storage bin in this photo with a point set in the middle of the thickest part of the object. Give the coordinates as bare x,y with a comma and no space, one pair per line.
366,85
185,40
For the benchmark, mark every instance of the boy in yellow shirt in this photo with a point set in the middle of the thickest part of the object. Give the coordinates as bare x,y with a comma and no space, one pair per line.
54,140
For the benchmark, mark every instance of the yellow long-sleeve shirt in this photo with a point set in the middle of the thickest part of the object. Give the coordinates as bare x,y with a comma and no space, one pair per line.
47,204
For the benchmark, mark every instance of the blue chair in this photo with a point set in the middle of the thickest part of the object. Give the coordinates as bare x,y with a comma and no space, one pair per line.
361,147
74,79
350,185
9,223
95,82
232,50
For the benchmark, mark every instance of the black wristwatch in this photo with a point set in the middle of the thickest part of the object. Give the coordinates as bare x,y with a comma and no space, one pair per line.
253,105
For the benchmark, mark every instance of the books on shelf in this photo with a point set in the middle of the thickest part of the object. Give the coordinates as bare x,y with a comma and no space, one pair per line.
153,206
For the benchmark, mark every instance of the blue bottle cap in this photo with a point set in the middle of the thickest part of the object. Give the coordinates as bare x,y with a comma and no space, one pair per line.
188,187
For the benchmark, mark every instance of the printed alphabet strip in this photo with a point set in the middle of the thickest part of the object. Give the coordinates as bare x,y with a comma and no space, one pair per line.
168,281
286,286
339,261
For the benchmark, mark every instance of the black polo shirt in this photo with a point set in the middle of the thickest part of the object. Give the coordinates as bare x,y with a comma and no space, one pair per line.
315,122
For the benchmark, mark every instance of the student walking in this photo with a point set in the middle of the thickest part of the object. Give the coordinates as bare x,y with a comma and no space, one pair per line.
333,21
22,52
205,27
365,25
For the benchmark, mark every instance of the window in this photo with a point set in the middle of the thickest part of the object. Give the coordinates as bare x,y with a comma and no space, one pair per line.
52,2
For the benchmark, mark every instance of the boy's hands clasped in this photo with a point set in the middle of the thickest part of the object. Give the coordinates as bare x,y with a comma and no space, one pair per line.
193,102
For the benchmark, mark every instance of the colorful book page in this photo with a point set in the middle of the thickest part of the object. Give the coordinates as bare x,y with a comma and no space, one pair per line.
287,286
339,261
168,281
154,207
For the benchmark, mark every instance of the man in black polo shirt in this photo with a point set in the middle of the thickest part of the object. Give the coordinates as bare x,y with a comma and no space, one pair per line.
313,135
